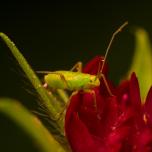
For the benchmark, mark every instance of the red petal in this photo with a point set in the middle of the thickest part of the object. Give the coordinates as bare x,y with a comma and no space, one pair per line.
135,92
148,106
143,141
123,95
92,66
117,139
72,107
79,137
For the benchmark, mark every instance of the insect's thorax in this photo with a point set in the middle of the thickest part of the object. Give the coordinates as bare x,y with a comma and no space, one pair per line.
71,80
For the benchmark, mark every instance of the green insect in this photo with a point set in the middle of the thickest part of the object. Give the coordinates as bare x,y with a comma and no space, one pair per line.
74,81
71,80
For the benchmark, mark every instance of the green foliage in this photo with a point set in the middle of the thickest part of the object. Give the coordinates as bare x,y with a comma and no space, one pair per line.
30,74
31,125
53,102
142,61
49,103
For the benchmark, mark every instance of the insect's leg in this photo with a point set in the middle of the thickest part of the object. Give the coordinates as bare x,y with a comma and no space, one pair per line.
94,101
62,78
66,106
99,68
92,92
45,85
93,95
106,84
77,67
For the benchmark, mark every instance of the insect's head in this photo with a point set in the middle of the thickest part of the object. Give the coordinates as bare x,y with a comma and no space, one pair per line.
93,82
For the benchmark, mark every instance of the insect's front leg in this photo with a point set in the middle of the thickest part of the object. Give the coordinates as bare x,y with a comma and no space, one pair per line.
106,84
92,92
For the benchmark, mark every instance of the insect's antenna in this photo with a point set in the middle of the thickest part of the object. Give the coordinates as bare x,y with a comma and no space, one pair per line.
111,40
43,72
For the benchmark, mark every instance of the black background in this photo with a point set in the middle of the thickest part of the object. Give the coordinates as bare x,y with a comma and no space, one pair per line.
54,36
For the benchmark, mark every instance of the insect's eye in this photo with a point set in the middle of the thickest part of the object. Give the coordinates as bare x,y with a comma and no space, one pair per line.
91,81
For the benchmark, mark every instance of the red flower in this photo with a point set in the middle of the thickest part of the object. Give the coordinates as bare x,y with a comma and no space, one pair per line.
117,123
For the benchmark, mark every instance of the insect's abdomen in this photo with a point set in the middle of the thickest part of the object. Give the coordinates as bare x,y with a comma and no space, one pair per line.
55,81
66,80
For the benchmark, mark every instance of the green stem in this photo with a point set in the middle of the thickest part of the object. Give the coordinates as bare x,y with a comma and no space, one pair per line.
46,100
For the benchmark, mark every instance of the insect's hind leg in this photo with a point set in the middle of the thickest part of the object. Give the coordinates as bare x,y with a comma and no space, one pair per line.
45,85
61,113
77,67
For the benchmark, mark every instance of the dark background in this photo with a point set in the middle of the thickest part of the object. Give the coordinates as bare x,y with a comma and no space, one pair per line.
54,36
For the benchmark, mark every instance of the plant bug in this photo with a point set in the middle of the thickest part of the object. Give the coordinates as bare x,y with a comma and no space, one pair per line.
75,81
69,80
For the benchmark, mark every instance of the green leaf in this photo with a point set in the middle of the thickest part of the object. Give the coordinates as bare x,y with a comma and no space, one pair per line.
47,100
142,61
31,125
30,73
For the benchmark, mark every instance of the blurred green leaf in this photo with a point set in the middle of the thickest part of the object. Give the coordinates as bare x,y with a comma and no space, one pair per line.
30,74
48,101
31,125
142,61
